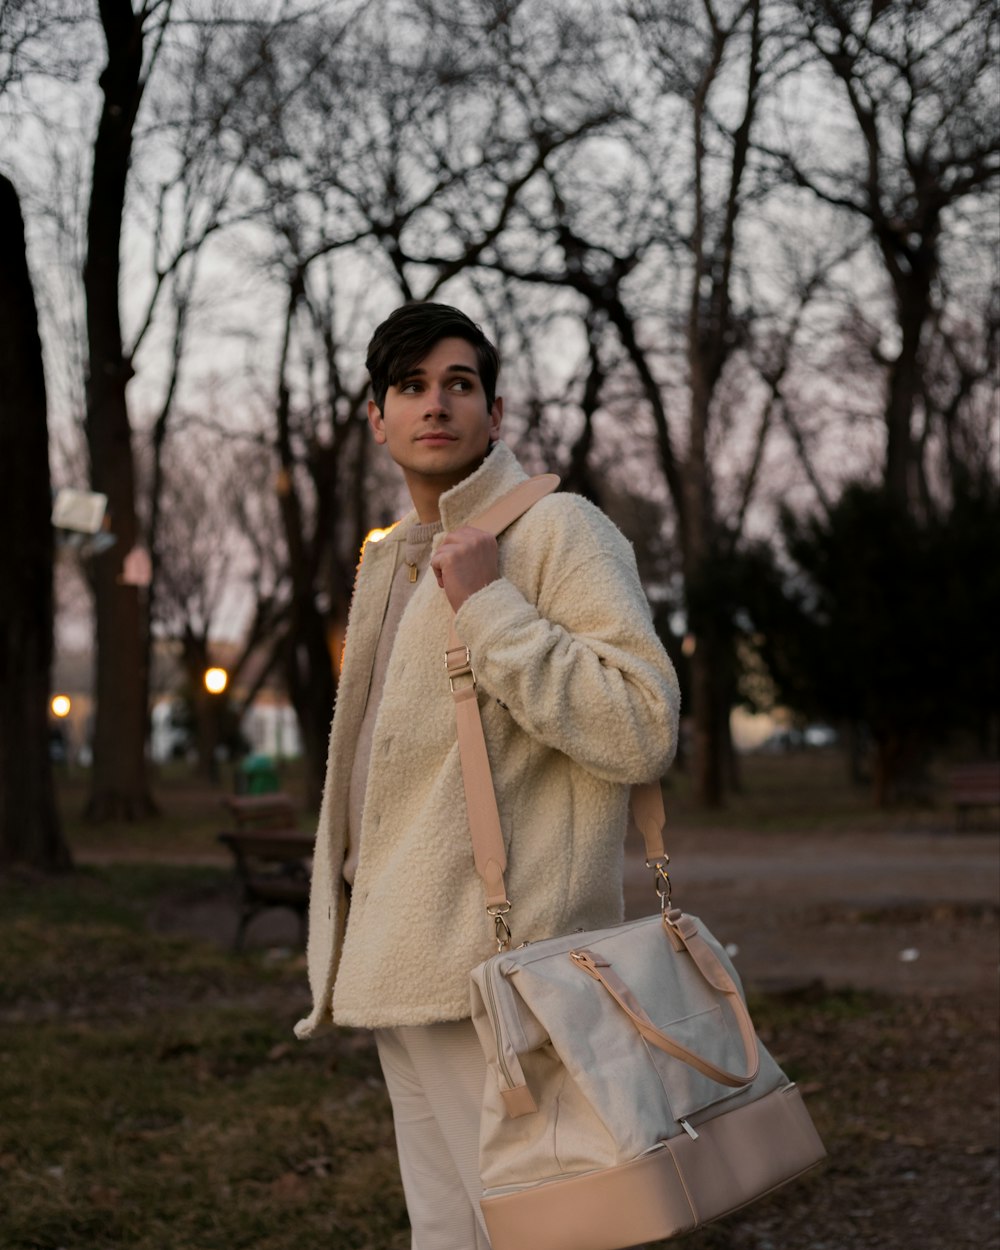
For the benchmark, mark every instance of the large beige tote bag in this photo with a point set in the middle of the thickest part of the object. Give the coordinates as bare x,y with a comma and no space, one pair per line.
628,1097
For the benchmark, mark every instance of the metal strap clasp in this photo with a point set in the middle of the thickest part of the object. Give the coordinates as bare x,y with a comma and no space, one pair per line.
661,881
501,929
461,667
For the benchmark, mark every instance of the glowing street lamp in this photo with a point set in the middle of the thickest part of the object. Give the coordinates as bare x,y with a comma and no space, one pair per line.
216,680
61,705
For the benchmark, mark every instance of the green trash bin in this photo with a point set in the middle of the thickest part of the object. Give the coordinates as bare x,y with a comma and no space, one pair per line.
258,775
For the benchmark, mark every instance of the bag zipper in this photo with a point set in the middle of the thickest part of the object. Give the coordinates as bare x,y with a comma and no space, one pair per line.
494,1014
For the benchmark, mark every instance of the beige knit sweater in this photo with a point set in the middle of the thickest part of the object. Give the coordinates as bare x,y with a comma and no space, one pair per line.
579,700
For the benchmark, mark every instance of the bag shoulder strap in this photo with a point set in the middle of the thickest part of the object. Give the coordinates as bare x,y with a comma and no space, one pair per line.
480,797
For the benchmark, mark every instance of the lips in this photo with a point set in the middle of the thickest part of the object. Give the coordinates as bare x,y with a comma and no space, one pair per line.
437,436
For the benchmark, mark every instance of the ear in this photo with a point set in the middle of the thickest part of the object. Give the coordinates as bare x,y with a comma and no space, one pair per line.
496,416
376,421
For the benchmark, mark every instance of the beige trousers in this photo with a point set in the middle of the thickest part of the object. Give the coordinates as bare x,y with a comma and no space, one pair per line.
435,1075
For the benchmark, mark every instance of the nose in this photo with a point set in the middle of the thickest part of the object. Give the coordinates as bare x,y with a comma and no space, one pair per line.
437,402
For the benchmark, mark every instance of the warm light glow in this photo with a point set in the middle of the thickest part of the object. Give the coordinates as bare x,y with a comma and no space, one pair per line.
60,705
374,536
216,680
689,645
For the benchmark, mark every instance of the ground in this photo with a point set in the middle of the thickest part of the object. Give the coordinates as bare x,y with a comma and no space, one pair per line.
911,917
893,911
154,1098
893,938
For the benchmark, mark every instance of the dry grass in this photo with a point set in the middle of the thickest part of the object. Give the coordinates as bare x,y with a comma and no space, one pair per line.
806,791
153,1098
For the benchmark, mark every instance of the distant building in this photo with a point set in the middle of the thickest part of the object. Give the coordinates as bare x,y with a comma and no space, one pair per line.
269,725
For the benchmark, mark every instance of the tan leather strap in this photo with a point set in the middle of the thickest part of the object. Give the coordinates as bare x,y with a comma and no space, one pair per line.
713,972
480,797
650,818
505,511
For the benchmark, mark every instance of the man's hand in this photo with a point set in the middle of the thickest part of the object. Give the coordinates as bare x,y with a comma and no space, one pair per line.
465,561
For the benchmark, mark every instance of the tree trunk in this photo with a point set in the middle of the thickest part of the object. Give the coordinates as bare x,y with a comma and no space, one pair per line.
308,662
913,300
710,336
30,831
119,785
206,708
309,676
733,770
707,748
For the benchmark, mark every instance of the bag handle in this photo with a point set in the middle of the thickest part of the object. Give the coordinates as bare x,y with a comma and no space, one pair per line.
686,929
480,796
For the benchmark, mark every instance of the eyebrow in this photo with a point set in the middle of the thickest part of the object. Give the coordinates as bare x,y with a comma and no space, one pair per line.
418,372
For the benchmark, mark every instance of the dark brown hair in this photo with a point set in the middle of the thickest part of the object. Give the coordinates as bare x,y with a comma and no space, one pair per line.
407,336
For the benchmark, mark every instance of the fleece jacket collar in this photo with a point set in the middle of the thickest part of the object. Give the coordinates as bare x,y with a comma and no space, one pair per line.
496,476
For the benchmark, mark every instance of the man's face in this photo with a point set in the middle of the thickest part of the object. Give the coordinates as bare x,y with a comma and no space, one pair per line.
435,422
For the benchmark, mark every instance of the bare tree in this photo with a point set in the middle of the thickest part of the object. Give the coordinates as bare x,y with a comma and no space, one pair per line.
119,784
410,179
195,199
704,72
918,83
211,558
30,830
616,187
959,396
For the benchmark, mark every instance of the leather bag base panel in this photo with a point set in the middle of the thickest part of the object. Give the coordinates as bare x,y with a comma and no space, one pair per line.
666,1192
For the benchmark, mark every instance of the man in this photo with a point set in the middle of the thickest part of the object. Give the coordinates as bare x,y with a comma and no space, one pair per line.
578,701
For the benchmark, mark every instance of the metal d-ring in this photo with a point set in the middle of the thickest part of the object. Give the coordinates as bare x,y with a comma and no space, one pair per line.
661,881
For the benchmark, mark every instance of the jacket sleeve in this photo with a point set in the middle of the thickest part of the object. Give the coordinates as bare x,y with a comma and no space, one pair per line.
580,668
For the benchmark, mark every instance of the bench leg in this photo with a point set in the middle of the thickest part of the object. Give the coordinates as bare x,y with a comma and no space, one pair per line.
246,915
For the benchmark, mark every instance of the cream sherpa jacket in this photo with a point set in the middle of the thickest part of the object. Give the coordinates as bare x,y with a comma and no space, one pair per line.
578,700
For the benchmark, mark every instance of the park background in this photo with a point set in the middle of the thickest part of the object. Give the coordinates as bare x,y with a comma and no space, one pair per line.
740,257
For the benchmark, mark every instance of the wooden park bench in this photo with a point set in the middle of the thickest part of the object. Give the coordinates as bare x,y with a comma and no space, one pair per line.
271,857
974,786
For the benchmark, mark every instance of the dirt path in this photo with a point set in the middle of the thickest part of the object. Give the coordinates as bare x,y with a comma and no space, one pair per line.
911,913
894,912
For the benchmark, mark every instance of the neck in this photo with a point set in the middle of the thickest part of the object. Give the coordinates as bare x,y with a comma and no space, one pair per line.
425,499
426,492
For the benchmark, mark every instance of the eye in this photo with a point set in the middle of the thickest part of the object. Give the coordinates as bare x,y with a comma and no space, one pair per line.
409,388
461,384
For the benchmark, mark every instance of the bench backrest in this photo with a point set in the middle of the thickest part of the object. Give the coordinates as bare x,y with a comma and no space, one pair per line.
262,811
981,781
253,845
